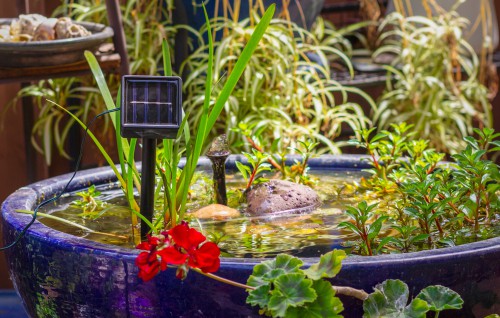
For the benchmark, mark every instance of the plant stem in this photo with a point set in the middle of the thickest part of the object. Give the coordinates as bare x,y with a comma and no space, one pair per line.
476,214
223,280
349,291
428,200
259,149
342,290
453,206
81,227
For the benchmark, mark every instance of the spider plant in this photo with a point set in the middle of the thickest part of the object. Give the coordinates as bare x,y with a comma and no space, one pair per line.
146,24
175,182
282,92
51,128
433,80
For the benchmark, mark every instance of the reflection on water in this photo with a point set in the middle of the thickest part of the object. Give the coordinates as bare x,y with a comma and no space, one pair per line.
298,233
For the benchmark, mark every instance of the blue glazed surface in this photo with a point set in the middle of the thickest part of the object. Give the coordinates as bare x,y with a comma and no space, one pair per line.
60,275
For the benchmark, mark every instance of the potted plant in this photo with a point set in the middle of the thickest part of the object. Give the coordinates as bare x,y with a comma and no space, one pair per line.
438,77
108,275
287,90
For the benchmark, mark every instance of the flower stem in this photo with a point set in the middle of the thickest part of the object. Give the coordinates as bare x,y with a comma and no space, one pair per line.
341,290
223,280
349,291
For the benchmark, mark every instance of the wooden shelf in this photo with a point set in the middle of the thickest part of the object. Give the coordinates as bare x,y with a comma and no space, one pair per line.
107,58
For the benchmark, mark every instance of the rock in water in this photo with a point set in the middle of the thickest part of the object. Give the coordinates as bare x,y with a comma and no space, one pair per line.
280,195
216,211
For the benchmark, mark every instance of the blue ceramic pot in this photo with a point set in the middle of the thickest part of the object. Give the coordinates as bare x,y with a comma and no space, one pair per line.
302,12
60,275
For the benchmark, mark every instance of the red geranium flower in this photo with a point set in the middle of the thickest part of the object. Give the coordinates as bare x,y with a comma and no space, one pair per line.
182,246
204,256
149,262
149,265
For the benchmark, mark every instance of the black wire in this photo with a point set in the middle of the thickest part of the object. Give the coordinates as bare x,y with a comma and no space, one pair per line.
57,197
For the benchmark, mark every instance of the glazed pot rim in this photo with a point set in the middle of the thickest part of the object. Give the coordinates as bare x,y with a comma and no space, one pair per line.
26,198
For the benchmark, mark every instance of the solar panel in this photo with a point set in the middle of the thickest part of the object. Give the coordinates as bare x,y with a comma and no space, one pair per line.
151,106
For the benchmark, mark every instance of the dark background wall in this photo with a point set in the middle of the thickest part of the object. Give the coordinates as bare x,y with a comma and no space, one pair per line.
12,154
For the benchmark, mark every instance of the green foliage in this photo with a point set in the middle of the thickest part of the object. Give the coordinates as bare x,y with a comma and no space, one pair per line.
283,289
175,187
433,203
325,304
298,171
329,265
407,236
440,298
425,86
90,205
282,94
366,225
258,163
146,24
390,299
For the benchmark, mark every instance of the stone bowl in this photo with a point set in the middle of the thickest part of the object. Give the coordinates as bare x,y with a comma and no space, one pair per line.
52,53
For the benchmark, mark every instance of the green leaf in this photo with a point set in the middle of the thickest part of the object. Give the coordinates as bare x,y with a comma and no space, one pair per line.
329,265
417,308
349,226
389,301
259,296
244,170
376,226
267,271
441,298
239,67
326,305
167,63
395,291
293,290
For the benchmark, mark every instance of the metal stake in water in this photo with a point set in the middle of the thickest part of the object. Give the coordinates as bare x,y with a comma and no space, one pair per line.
218,153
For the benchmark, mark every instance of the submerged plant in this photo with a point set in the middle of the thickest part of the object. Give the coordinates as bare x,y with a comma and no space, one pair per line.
89,202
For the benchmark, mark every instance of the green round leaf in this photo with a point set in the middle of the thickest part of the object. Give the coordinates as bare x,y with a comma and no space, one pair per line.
440,298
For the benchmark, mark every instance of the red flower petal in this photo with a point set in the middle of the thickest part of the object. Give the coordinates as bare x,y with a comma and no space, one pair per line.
144,246
205,258
171,255
148,265
151,244
147,273
186,237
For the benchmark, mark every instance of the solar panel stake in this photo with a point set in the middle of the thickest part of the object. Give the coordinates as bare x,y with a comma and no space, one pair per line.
148,182
151,109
